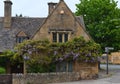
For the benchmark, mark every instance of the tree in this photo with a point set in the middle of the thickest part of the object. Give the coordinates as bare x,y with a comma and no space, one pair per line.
102,18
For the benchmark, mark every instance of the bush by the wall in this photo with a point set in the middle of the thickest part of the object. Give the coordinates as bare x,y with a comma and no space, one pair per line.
2,70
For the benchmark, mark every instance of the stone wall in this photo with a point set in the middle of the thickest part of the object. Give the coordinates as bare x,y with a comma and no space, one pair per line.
5,79
86,70
44,78
81,70
61,23
114,58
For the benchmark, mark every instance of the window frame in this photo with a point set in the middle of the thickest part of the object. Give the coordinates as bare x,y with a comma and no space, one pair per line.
54,37
20,39
65,40
60,37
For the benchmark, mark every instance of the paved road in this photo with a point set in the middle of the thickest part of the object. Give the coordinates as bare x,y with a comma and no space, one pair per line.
112,78
111,67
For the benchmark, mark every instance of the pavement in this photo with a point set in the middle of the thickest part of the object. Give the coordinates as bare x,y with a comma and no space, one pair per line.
112,78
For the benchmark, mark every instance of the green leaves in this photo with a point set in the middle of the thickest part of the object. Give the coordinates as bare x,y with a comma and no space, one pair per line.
78,49
8,54
101,19
43,53
2,70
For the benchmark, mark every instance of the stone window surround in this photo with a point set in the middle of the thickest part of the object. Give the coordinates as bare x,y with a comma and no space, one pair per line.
63,35
20,39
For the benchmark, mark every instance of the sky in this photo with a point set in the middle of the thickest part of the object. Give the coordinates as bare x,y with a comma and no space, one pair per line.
36,8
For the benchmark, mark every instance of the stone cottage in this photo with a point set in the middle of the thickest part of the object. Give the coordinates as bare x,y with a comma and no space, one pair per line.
60,25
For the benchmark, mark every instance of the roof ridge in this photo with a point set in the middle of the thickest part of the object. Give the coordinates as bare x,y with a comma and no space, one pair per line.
31,17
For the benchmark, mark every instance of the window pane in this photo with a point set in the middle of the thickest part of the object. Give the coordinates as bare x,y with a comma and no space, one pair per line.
21,39
70,67
54,37
65,37
60,37
61,67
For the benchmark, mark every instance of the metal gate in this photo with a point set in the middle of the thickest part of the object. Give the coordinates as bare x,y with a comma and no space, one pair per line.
5,79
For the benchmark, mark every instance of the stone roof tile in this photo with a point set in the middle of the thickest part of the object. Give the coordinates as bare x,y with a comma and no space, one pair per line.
8,35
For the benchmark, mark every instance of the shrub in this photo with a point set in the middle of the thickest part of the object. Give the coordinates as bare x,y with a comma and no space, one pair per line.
2,70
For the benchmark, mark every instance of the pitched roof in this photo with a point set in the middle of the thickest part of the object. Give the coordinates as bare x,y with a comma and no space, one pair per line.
8,35
81,21
26,25
22,34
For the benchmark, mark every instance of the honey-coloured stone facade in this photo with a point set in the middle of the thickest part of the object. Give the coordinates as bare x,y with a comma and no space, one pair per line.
61,20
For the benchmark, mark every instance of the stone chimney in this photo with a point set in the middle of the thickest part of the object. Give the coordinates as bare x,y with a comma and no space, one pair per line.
51,7
61,0
7,13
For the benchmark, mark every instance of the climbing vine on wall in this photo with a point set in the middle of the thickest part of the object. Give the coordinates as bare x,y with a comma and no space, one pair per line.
77,49
45,52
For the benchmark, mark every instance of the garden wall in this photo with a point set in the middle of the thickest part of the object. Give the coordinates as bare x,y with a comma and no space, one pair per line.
114,58
86,70
80,71
44,78
5,79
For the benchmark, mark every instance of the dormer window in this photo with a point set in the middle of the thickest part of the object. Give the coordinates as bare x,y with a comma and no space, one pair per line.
21,36
21,39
